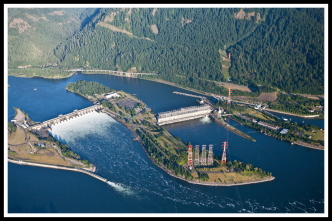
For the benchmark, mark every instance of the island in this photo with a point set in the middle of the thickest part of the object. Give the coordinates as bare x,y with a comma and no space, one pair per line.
165,150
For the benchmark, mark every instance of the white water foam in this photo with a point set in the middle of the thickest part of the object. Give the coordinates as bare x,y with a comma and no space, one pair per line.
91,123
121,188
113,152
109,146
206,120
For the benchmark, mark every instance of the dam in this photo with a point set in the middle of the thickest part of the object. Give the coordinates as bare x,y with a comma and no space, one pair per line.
183,114
62,118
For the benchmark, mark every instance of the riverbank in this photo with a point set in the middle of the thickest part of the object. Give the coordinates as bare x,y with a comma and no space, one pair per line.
317,147
287,113
47,77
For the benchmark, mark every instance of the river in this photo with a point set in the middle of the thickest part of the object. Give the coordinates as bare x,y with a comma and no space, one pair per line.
136,186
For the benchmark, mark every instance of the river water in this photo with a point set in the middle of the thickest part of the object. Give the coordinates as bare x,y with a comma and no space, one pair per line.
136,186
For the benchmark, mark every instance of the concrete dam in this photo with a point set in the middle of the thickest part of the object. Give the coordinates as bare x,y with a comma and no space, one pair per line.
62,118
183,114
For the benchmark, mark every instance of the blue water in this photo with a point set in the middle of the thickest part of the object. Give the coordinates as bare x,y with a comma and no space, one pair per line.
135,184
301,120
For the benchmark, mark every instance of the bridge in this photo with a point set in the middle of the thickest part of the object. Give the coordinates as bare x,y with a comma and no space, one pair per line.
121,73
63,118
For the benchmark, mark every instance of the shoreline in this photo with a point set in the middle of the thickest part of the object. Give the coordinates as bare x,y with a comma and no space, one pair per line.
179,177
308,145
211,94
291,114
25,76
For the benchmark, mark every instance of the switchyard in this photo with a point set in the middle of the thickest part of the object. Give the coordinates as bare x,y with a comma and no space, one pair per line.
206,158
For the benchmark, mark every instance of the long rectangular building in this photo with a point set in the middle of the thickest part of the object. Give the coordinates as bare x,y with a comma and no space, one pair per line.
183,114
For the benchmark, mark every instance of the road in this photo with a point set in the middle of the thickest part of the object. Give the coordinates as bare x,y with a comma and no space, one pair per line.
119,72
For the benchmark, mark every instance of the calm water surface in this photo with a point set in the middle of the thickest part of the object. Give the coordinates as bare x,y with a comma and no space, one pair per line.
135,184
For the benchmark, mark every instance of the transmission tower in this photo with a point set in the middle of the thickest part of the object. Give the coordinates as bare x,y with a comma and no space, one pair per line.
223,159
190,156
196,162
229,95
203,156
210,155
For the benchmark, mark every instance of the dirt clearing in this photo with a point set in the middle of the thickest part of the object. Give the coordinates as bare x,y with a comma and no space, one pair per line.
154,29
268,96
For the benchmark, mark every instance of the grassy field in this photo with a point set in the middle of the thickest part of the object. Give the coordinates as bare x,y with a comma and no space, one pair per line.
24,151
17,137
258,114
233,177
47,155
316,135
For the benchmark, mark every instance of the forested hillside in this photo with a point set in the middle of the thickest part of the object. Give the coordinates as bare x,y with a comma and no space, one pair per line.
279,47
34,33
186,41
286,51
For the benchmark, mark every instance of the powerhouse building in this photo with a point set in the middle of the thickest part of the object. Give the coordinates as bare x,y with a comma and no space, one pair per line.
183,114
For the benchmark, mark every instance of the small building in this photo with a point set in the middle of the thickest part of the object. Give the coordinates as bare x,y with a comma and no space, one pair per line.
257,106
40,145
112,95
284,131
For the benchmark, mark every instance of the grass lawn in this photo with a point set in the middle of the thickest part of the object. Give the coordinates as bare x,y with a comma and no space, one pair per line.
17,137
47,155
233,177
318,135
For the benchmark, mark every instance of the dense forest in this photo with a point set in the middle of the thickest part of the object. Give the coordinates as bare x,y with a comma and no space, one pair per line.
85,88
281,48
34,33
286,51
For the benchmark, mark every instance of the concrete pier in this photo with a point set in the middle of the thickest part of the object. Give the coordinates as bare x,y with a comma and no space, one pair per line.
59,167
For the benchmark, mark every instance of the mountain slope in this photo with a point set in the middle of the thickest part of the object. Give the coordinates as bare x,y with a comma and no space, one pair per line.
287,51
275,47
34,33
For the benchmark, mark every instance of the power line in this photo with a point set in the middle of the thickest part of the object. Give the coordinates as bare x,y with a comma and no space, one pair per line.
236,187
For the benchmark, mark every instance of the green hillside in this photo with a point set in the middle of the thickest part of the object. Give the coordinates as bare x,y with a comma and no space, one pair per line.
276,47
34,34
286,51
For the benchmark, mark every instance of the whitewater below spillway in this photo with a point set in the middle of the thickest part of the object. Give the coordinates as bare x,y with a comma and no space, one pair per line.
109,146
